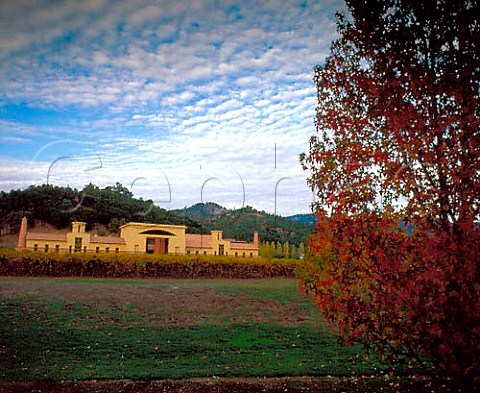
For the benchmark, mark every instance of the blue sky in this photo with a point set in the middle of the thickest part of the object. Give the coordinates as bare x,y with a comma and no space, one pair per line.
182,102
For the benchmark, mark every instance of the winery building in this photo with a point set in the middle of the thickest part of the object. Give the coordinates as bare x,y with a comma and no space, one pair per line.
137,237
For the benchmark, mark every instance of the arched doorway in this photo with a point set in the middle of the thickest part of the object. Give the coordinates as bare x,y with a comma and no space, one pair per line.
158,242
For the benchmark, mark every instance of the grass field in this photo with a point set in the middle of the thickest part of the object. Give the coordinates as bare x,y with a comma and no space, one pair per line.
74,329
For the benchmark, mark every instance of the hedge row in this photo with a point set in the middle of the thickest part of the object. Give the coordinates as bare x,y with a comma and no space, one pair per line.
30,263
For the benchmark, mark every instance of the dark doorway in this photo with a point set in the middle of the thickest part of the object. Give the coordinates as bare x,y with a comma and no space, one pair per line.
78,244
150,245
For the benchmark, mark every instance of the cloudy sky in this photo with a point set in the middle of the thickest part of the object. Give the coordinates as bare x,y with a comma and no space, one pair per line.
180,101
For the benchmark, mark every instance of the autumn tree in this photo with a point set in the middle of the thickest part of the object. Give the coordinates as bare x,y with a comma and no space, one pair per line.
398,141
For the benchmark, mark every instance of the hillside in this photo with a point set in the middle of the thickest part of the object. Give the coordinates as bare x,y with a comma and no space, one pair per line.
306,219
107,208
241,223
200,211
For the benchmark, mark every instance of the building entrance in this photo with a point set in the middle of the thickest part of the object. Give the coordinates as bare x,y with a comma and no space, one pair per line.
157,245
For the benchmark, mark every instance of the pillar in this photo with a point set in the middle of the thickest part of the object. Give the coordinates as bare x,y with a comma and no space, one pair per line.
22,236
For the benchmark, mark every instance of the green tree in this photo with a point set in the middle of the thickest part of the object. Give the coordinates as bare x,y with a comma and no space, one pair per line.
286,250
295,252
115,224
301,251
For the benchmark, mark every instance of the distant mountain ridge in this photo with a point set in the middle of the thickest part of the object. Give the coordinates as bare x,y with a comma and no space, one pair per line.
306,218
106,209
200,210
241,223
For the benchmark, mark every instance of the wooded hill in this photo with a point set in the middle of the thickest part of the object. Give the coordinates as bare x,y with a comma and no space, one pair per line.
112,206
241,223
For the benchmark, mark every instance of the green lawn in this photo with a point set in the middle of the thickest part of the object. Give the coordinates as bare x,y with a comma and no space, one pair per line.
66,329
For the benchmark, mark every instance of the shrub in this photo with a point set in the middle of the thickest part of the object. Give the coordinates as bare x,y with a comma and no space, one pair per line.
30,263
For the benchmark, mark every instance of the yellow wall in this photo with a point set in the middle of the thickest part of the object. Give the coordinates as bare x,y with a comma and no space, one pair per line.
78,231
30,244
217,240
65,246
200,250
85,239
78,226
240,252
228,251
103,247
135,241
213,248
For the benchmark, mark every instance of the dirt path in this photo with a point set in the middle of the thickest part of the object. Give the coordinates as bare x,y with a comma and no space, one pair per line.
268,385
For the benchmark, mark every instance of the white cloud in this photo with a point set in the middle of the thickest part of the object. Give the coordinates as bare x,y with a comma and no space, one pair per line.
159,89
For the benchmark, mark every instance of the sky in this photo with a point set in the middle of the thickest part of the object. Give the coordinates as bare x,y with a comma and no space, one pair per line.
180,101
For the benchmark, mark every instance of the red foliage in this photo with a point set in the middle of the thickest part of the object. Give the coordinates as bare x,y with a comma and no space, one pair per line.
399,138
415,295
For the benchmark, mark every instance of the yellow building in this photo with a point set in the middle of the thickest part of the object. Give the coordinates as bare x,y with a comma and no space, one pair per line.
137,237
215,244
